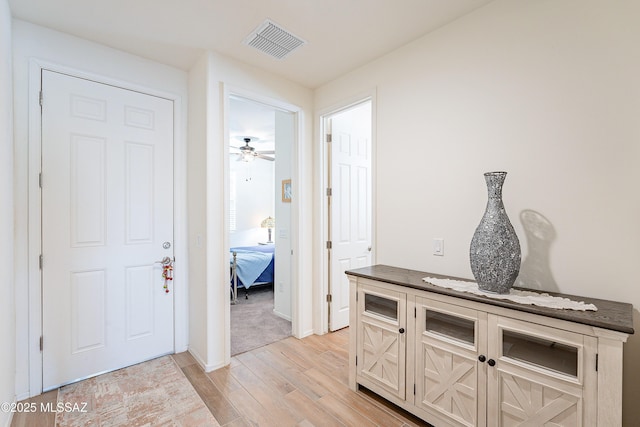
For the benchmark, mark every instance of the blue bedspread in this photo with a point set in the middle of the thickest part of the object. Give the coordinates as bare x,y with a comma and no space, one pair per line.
255,264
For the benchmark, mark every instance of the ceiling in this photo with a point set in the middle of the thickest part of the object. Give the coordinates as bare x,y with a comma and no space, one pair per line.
254,120
341,35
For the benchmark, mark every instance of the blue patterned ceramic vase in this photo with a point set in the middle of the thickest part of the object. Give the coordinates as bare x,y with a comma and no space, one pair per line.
495,248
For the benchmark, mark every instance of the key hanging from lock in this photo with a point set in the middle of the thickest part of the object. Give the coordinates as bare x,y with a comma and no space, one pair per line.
167,274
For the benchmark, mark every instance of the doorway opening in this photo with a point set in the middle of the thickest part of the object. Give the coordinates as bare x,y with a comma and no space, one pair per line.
261,140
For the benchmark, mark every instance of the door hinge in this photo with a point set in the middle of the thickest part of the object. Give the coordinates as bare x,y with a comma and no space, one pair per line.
328,244
329,192
41,343
596,362
40,97
328,136
414,389
415,312
329,298
40,180
40,261
356,360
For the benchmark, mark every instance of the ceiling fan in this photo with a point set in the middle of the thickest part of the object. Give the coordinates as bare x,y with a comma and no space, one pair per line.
248,153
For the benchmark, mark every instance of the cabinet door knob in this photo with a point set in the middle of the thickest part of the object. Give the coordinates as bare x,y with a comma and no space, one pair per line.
401,330
482,358
491,362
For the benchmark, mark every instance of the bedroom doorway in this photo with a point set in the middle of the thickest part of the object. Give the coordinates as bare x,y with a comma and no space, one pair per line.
261,140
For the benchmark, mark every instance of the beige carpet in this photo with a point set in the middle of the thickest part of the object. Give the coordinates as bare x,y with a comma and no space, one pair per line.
154,393
253,323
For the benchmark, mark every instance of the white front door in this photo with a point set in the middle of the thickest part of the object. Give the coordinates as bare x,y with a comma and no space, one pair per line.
350,206
107,217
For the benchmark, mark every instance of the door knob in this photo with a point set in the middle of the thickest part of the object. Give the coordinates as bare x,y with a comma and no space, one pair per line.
482,358
401,330
491,362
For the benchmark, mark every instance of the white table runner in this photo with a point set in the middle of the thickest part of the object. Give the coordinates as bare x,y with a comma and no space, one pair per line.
515,295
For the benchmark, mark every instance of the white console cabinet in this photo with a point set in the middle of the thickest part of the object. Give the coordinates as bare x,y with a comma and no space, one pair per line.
457,359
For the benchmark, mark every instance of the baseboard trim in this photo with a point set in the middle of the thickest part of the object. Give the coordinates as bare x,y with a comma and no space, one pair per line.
306,334
26,395
206,367
10,419
282,316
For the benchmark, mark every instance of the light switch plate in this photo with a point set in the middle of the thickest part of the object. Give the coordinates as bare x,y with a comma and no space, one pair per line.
438,246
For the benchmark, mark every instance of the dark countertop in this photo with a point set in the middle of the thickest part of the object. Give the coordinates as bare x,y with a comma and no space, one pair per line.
616,316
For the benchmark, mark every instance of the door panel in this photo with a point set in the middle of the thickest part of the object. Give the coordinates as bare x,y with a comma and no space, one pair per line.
87,310
350,212
87,191
107,207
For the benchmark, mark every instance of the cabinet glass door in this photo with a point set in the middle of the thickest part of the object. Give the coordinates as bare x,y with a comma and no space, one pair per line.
552,355
381,306
452,327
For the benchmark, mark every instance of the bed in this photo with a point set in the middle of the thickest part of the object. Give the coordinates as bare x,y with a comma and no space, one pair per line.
251,266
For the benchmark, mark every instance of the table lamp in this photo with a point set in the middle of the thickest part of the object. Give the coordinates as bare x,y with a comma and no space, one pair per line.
269,223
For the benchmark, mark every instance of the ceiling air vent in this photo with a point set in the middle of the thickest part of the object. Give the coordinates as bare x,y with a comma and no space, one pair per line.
273,40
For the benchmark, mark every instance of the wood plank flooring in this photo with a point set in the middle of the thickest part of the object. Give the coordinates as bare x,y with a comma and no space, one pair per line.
288,383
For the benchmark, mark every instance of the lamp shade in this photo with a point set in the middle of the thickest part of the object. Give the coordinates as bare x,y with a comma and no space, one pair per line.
268,223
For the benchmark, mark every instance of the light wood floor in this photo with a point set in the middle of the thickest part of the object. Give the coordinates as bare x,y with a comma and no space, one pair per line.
288,383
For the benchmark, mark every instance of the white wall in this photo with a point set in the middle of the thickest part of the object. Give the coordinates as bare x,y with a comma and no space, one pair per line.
199,96
285,137
254,200
546,90
224,74
32,41
7,312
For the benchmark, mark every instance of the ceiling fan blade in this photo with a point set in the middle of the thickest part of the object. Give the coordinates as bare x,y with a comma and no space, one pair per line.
260,156
266,151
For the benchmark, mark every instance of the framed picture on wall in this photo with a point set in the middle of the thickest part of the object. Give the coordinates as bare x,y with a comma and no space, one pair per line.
286,190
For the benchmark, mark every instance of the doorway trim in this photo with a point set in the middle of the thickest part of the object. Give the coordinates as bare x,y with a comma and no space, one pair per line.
322,259
181,326
297,294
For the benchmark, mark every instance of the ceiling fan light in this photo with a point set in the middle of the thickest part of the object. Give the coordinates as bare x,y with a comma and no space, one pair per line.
247,156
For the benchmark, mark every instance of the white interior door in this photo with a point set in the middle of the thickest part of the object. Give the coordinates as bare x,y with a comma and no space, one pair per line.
350,224
107,217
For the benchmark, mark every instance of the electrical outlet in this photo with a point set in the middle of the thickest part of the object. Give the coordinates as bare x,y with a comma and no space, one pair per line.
438,247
